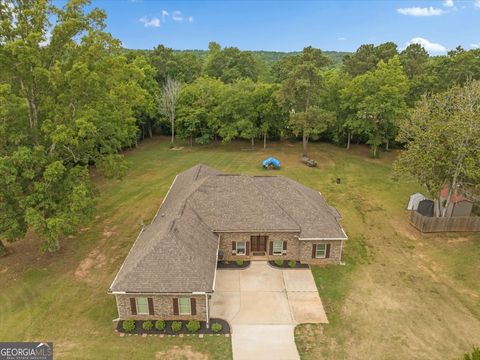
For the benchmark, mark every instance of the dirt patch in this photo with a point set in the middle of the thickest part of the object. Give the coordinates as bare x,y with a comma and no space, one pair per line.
184,352
458,240
94,260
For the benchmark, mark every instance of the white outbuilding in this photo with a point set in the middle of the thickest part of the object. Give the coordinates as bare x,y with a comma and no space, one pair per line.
414,201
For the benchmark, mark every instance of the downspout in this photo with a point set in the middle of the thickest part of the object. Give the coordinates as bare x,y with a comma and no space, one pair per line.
208,312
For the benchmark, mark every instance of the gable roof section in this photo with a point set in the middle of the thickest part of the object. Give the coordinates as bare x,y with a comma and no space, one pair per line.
177,252
316,219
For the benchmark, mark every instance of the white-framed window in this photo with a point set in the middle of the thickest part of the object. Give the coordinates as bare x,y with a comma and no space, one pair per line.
321,251
184,306
142,305
277,247
241,246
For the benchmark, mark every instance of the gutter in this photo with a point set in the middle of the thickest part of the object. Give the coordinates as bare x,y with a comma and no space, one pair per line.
318,238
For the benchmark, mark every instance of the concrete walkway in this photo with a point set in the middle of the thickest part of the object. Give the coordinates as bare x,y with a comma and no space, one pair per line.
263,305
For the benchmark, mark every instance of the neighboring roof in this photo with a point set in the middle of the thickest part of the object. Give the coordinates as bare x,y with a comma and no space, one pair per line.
454,198
177,251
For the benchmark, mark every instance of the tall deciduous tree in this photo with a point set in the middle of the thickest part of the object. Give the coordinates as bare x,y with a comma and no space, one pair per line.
300,94
376,101
168,102
197,115
442,140
67,101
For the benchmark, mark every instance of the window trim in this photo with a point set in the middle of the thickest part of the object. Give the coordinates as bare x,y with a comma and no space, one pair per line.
244,248
180,306
281,248
138,306
324,251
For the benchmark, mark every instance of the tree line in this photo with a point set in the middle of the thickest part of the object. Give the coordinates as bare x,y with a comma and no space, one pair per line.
227,93
71,99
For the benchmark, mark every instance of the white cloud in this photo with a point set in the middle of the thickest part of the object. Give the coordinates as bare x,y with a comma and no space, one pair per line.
342,38
475,46
421,11
164,15
190,19
477,3
429,46
448,3
153,22
177,15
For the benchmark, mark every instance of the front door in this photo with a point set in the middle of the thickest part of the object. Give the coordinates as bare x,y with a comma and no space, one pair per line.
258,244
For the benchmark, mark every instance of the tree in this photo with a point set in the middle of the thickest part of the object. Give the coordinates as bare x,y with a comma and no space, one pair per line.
415,61
442,140
375,101
197,116
67,101
270,116
367,57
236,112
168,102
334,82
183,66
301,91
230,64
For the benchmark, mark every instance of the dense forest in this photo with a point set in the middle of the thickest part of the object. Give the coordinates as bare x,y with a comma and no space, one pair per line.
71,98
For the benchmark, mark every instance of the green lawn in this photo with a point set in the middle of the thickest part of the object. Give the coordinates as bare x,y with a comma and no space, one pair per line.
400,295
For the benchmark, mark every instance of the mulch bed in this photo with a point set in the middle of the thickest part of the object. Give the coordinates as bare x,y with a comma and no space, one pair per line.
232,265
285,265
168,328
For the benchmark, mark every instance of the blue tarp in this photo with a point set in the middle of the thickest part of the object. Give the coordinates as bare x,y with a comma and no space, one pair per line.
271,161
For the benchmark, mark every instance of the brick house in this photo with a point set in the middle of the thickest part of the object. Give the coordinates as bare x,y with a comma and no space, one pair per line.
207,216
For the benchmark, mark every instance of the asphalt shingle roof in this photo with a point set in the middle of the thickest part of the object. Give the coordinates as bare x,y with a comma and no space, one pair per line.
177,252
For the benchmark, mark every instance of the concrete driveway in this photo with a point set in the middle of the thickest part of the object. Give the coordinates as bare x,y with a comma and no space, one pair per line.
263,305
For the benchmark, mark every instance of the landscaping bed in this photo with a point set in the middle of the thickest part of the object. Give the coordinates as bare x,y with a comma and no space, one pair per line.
291,264
137,327
239,264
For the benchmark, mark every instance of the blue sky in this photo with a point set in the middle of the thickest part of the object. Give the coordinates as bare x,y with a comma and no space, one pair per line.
291,25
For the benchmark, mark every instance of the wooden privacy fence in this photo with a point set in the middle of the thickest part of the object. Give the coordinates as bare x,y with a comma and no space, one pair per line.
434,224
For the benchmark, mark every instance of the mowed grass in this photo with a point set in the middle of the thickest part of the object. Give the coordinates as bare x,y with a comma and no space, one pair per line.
401,295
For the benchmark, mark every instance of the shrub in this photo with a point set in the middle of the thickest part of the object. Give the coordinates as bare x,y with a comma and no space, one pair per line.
216,327
279,262
160,325
193,326
128,325
176,326
147,325
474,355
292,263
239,262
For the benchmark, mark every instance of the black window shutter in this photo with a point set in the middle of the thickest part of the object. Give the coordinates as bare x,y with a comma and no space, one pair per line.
151,310
270,250
193,306
327,252
133,306
247,248
314,251
175,306
285,246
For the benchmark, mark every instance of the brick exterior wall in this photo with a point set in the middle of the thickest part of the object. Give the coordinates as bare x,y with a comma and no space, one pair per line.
163,307
306,252
293,245
296,249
